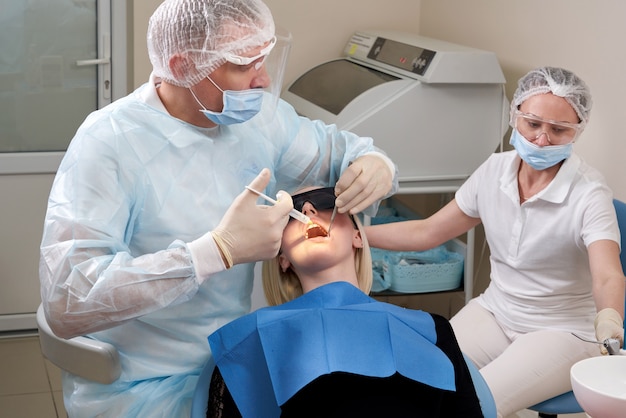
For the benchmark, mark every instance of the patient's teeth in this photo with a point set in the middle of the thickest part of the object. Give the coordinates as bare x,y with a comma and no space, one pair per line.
315,230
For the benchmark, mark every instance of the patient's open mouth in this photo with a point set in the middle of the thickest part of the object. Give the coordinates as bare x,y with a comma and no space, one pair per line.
315,230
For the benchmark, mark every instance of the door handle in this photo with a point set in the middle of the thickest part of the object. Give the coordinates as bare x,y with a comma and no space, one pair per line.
97,61
104,73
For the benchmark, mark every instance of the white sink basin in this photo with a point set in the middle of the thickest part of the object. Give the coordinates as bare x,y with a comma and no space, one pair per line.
599,384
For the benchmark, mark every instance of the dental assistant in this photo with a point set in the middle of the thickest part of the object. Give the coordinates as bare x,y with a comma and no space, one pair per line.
150,237
552,232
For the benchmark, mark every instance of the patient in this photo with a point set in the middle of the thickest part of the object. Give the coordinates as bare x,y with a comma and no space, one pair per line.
326,349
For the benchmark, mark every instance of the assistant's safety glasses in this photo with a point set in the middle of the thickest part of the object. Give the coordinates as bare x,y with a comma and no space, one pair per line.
239,60
532,127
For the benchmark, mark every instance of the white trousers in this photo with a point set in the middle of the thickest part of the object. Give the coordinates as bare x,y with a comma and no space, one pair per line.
520,369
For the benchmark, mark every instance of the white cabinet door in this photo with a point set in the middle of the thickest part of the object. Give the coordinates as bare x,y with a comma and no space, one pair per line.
56,66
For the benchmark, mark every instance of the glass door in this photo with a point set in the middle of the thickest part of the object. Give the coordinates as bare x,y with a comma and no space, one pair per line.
55,68
60,60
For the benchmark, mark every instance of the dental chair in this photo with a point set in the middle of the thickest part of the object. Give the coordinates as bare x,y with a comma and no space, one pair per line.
566,403
82,356
487,403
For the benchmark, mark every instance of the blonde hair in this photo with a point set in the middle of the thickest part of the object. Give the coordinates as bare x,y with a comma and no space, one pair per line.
280,287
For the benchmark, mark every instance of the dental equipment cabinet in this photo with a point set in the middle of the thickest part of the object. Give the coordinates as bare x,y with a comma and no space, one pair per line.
437,109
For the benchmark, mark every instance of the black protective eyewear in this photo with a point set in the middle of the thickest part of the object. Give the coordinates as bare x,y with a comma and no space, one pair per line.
321,199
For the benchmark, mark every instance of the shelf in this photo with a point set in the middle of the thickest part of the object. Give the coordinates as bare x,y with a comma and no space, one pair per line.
435,186
394,293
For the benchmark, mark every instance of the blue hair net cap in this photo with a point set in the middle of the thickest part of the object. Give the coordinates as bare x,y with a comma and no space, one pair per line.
558,81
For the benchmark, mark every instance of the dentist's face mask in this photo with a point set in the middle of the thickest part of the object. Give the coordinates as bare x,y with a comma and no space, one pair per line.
538,157
239,106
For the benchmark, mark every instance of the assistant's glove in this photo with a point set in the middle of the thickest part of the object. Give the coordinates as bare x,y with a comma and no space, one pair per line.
609,324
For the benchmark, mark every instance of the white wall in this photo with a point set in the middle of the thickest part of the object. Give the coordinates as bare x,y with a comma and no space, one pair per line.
584,36
322,28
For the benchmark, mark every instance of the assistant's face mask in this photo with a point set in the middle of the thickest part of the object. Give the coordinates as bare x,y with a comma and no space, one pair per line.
537,157
239,106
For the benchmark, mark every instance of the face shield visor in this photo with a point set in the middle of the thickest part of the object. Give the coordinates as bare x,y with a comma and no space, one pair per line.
275,64
270,61
268,64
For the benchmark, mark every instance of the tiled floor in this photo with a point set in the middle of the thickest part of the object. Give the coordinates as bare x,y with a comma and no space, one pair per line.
30,386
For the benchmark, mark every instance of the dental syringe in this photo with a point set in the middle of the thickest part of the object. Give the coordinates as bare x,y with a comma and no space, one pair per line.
293,213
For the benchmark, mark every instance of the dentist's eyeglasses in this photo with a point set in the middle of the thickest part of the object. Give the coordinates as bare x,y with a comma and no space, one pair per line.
239,60
532,127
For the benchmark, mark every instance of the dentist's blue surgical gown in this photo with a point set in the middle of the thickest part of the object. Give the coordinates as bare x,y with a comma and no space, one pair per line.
134,187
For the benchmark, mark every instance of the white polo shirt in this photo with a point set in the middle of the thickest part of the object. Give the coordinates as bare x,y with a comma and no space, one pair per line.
540,275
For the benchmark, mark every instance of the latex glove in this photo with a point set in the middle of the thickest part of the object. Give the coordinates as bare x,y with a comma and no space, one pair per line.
609,324
367,180
248,232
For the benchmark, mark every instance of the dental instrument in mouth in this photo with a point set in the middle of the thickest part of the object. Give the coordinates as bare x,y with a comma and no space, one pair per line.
332,219
293,213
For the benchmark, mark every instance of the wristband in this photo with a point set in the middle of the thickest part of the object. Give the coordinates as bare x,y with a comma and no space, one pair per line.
223,247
